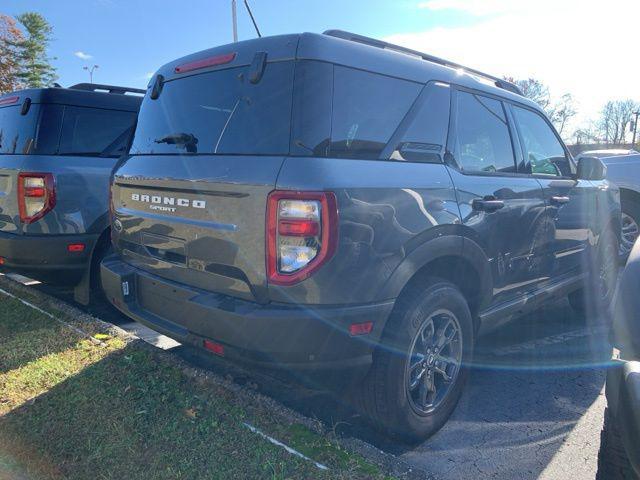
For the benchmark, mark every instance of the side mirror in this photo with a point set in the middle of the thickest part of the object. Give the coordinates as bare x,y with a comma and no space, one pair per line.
591,168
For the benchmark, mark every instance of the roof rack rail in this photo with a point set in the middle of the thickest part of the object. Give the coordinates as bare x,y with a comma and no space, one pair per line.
93,87
354,37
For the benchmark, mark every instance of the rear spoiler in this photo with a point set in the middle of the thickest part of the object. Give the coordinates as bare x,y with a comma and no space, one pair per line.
97,87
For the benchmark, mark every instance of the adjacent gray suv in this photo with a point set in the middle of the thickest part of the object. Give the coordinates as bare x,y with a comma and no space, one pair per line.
58,147
354,211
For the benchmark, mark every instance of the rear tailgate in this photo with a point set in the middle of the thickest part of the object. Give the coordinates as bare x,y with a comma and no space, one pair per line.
10,166
209,143
208,232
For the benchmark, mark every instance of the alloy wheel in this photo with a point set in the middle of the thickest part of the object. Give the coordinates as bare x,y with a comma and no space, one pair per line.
434,361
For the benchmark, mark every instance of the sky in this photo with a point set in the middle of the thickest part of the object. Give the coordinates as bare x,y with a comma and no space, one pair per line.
590,49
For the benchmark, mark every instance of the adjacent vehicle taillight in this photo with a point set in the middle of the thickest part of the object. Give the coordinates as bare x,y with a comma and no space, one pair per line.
36,195
302,231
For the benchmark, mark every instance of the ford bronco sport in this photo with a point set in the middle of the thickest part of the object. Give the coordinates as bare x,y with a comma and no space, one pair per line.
333,204
58,147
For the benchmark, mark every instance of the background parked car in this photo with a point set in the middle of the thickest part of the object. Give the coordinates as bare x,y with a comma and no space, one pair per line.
623,168
58,147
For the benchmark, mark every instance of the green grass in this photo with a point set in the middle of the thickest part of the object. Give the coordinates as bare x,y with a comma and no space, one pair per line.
71,408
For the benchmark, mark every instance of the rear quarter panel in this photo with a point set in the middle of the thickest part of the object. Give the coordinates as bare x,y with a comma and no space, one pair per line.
82,194
386,209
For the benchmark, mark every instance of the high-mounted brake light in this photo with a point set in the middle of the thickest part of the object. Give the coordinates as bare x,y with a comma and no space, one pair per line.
302,231
205,62
9,100
36,195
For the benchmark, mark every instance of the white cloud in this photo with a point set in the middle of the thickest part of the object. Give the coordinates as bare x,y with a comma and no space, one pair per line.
82,55
584,48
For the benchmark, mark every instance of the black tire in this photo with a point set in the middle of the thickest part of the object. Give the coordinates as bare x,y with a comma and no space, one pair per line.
613,462
593,301
102,249
384,397
630,225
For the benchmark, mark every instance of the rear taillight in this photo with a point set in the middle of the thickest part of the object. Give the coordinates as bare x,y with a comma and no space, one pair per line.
302,232
36,195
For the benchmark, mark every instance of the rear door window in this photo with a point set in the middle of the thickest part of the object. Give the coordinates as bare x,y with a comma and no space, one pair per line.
89,131
423,134
482,142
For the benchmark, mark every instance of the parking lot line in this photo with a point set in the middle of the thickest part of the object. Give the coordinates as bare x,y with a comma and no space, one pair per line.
286,447
44,312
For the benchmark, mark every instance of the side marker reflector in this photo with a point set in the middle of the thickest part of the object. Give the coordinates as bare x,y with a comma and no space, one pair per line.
360,328
214,347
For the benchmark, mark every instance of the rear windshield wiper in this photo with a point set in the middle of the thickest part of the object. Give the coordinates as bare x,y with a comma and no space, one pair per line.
186,140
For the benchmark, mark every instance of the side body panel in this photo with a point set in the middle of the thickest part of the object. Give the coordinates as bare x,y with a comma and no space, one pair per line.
82,194
512,237
387,209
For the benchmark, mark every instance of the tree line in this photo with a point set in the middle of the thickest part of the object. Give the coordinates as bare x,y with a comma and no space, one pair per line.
614,124
24,61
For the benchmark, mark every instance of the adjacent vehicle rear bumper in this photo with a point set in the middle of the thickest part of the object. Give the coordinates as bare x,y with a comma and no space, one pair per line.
46,257
302,339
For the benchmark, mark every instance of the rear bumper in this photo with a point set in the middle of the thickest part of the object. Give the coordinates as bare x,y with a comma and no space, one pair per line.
298,338
45,257
623,399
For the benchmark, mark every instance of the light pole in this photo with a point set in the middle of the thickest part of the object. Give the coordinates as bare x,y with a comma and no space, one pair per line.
635,129
90,70
234,20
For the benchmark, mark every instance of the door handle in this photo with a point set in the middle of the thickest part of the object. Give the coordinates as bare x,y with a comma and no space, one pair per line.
558,200
487,205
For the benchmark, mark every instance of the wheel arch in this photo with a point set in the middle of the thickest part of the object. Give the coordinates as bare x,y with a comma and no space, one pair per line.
455,258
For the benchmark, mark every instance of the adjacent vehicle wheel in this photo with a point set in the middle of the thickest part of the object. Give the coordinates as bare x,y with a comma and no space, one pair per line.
630,225
595,298
613,463
421,365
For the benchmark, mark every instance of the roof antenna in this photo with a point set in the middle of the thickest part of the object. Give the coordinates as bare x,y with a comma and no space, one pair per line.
255,25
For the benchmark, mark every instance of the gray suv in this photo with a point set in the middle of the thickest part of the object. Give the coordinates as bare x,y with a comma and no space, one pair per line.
352,211
58,147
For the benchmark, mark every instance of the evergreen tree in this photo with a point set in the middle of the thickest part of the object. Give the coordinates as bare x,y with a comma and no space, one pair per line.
35,69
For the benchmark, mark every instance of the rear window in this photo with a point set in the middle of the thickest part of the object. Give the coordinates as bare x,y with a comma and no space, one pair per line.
219,112
343,112
50,129
17,131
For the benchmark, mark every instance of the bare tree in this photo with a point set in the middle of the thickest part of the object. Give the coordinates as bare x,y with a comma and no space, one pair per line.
534,90
615,118
562,112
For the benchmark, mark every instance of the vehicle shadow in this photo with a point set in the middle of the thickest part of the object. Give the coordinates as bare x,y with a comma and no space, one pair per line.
531,384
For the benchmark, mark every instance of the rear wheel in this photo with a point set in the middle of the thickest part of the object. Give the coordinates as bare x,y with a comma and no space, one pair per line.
594,299
421,365
613,462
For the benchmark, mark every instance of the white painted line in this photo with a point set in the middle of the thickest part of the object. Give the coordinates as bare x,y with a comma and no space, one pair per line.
68,325
286,447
